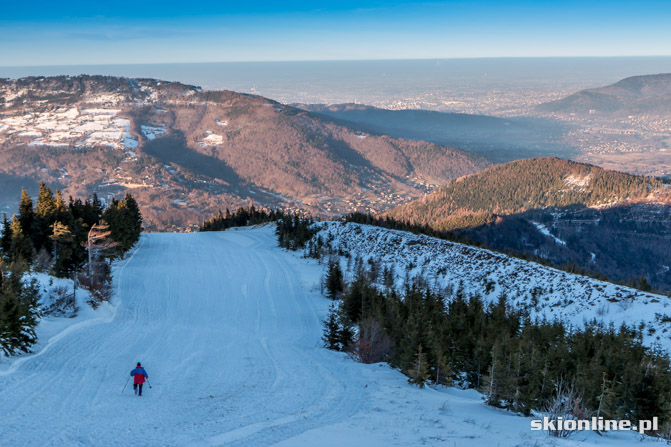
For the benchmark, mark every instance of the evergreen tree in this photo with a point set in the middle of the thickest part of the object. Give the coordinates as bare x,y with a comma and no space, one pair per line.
332,331
334,279
518,363
606,399
134,219
6,238
419,373
440,370
45,216
64,246
21,248
26,214
346,332
61,212
46,203
65,228
18,310
125,222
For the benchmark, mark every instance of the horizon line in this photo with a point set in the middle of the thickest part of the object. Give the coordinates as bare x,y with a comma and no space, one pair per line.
342,60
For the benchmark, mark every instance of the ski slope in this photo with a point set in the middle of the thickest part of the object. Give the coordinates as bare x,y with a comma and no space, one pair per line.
228,328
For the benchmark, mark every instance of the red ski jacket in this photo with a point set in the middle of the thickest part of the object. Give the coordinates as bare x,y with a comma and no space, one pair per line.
138,375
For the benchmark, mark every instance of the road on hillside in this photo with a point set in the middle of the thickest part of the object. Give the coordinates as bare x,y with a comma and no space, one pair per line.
230,338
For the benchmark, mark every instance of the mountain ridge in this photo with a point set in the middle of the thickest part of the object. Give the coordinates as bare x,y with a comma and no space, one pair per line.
643,94
192,152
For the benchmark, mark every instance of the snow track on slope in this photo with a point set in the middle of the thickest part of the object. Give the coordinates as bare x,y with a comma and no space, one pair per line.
229,337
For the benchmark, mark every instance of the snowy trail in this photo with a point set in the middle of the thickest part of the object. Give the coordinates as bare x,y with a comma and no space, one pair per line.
230,340
228,327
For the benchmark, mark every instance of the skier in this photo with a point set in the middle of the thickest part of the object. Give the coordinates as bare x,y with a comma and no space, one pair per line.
138,374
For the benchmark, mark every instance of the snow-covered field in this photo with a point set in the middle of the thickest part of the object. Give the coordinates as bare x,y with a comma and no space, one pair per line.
228,327
71,127
152,132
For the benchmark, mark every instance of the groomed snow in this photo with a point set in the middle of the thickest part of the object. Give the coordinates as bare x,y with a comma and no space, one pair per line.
228,327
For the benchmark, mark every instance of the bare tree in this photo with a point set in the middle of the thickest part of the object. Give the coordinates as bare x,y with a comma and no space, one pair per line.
98,280
565,404
99,241
373,344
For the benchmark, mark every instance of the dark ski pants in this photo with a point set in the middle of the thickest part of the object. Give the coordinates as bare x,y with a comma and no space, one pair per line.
137,386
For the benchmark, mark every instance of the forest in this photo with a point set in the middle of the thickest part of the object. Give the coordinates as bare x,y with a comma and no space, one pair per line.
519,364
521,186
60,239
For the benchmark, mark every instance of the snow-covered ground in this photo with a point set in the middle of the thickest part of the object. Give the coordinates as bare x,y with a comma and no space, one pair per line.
212,139
544,291
152,132
228,327
71,127
544,230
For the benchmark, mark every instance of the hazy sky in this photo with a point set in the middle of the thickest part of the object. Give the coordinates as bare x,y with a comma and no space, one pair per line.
123,31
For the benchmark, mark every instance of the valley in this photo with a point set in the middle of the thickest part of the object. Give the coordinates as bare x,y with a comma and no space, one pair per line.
186,153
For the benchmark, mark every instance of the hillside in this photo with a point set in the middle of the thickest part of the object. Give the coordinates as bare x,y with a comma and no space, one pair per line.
544,291
605,222
499,139
648,94
521,186
186,153
239,363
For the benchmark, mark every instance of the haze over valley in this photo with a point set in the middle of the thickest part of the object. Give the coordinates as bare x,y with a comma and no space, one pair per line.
514,90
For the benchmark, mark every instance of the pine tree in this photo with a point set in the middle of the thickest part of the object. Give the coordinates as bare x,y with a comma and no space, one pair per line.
346,338
125,222
61,212
46,203
499,383
441,372
21,248
6,238
45,216
134,218
332,332
26,214
18,310
334,279
64,246
419,373
606,398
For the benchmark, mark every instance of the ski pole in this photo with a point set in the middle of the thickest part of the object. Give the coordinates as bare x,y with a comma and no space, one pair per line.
124,387
148,383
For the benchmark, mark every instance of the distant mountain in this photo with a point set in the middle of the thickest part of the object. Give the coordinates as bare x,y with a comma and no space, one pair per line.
648,94
499,139
185,152
600,221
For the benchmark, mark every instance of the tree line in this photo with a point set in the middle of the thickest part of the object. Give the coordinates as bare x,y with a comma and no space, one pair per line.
53,237
293,232
241,218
